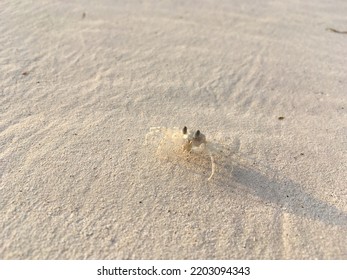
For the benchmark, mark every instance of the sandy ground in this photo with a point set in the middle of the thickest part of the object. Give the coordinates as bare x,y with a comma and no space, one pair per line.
81,83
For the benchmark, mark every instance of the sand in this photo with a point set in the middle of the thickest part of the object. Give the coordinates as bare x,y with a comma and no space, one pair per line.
82,82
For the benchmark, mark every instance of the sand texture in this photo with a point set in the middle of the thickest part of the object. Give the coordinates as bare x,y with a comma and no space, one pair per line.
82,82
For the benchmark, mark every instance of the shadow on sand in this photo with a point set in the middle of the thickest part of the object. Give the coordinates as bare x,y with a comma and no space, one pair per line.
286,194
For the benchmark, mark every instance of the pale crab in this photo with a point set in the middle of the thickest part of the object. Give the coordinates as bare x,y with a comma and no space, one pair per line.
192,146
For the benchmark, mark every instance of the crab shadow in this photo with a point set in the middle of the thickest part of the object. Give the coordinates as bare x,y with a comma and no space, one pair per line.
285,194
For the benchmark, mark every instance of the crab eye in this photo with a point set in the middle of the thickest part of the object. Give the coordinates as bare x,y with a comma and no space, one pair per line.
185,129
197,134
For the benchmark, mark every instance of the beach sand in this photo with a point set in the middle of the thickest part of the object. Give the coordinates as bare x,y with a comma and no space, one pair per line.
82,82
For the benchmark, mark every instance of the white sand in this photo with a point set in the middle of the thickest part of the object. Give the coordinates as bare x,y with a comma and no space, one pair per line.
79,93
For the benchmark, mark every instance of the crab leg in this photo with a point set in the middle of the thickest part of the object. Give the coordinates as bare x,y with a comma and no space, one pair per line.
212,166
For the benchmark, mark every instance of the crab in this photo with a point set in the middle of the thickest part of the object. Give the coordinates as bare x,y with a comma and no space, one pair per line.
192,145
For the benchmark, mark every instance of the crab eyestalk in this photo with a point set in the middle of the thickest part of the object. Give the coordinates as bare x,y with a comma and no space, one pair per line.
187,146
185,130
198,139
197,134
